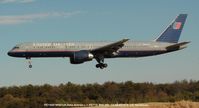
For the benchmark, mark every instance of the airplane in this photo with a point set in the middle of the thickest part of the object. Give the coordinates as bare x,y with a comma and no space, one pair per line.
80,52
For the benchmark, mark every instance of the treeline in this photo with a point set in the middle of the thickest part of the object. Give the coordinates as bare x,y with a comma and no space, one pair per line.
30,96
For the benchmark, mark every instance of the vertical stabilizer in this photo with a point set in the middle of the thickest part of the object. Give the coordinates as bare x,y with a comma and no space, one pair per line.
173,31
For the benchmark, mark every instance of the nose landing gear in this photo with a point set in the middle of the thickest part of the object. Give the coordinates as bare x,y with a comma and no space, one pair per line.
29,62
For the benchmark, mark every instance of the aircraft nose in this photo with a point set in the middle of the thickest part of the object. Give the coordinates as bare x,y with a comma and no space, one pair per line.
10,53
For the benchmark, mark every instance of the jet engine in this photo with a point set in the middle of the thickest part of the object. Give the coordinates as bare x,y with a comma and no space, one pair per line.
81,57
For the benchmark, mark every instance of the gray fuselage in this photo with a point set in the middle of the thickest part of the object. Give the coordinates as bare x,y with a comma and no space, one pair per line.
66,49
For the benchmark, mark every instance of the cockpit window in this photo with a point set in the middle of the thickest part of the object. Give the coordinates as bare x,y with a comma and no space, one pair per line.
15,47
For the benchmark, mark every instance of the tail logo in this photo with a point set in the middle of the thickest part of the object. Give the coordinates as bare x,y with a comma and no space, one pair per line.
177,25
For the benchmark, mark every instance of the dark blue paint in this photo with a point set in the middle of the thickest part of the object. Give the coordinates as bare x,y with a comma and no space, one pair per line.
171,34
70,54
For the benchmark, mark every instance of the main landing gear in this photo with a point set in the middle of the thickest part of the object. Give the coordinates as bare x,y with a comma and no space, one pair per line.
101,63
29,62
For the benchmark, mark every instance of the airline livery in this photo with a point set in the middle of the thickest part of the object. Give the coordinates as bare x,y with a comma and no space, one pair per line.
80,52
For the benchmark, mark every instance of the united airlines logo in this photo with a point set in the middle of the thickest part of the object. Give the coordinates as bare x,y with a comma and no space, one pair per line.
177,25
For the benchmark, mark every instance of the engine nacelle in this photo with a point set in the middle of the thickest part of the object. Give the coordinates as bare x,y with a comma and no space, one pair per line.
81,57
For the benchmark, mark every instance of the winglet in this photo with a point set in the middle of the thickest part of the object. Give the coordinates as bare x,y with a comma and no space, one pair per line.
173,31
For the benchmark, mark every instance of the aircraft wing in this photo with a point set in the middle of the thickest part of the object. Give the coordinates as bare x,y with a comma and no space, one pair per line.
110,48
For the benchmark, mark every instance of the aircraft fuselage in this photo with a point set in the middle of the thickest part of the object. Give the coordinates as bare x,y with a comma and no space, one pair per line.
66,49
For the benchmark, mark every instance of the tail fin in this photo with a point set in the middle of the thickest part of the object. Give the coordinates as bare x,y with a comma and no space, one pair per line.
173,31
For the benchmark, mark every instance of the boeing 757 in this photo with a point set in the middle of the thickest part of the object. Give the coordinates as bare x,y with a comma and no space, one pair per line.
80,52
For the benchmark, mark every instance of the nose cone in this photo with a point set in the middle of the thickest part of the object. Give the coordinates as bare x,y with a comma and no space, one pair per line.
10,53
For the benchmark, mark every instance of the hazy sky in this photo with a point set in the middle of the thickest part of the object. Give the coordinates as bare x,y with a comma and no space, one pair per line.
76,20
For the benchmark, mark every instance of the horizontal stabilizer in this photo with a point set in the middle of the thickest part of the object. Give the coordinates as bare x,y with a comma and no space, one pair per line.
177,46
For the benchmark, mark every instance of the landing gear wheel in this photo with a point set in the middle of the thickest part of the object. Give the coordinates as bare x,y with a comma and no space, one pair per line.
97,65
101,65
30,66
105,65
